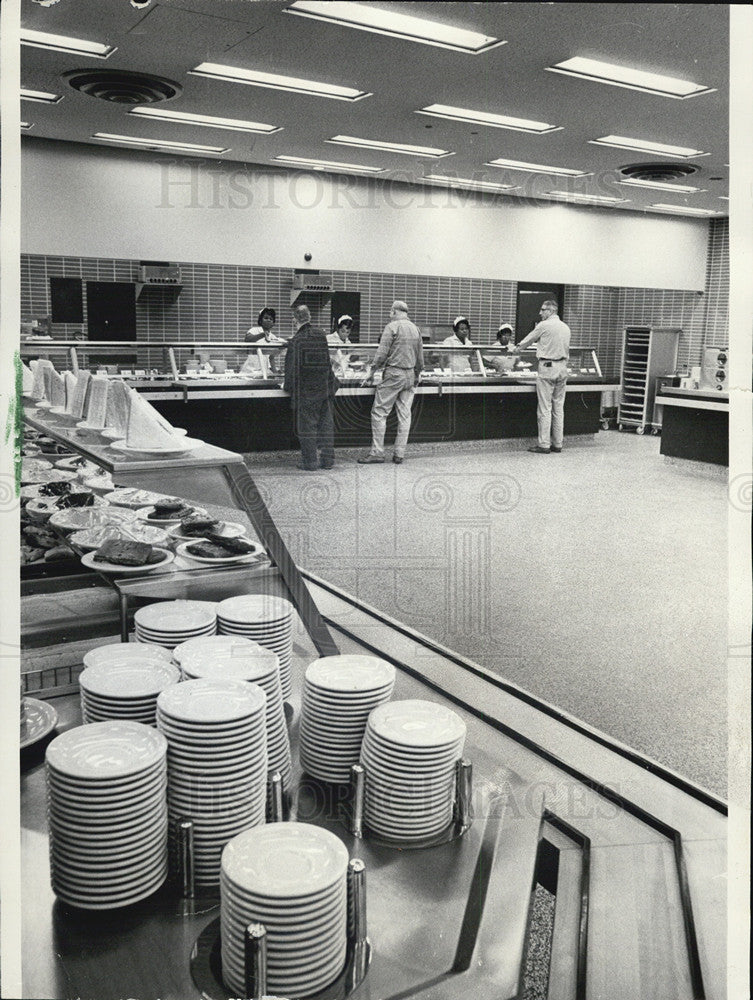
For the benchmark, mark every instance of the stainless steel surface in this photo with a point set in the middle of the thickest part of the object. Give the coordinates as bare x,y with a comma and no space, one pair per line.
255,954
186,856
275,798
463,793
357,792
357,922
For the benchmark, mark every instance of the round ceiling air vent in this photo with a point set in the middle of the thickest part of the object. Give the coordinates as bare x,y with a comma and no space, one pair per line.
121,86
658,171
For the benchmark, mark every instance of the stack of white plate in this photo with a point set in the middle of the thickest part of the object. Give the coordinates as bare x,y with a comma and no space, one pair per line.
223,657
169,623
125,687
410,749
107,814
339,693
291,877
216,761
265,619
123,650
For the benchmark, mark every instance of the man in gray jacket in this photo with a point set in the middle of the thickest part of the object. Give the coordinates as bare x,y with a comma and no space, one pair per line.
401,355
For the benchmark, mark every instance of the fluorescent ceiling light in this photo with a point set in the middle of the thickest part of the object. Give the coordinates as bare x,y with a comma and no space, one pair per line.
661,185
538,168
41,96
585,199
684,211
468,182
305,161
486,118
389,147
292,84
633,79
63,43
166,143
209,121
724,197
368,17
27,125
644,146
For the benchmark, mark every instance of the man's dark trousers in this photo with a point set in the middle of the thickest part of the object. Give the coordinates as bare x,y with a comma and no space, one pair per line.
315,427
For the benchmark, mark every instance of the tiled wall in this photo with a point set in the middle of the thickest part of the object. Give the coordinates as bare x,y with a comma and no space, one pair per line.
717,284
220,302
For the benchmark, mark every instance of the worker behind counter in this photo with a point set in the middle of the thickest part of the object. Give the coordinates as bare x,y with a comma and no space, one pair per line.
461,337
260,335
502,363
340,337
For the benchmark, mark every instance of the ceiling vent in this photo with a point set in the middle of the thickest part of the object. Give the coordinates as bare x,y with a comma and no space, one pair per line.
122,87
658,171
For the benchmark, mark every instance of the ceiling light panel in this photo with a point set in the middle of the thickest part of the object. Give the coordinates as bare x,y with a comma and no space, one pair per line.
683,210
644,146
369,17
389,147
162,143
585,199
208,121
304,161
661,186
537,168
487,118
481,185
626,76
63,43
40,96
292,84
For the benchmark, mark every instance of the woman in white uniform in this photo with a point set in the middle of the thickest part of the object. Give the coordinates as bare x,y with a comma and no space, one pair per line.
338,337
456,361
262,334
502,363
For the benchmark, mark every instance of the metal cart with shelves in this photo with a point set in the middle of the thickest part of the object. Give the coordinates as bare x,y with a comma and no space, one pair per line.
647,352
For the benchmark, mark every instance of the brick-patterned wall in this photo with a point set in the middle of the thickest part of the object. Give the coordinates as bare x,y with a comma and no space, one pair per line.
717,284
220,302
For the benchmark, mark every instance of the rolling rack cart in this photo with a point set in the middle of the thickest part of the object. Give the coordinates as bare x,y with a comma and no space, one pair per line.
647,352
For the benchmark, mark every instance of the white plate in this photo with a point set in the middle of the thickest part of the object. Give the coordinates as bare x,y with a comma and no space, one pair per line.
92,538
47,507
41,718
217,645
110,434
182,446
91,517
90,562
253,609
129,680
207,700
145,514
72,463
416,723
33,477
106,750
125,650
184,547
82,425
168,617
285,860
129,496
226,529
350,672
255,669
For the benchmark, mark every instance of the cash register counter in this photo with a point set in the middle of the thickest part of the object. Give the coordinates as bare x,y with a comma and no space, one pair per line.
695,424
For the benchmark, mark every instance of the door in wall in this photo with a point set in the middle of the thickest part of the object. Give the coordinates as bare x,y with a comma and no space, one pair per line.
531,294
348,304
111,310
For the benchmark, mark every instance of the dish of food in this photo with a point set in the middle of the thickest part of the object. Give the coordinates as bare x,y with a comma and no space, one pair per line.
199,526
91,517
168,511
45,507
218,551
93,538
129,496
160,559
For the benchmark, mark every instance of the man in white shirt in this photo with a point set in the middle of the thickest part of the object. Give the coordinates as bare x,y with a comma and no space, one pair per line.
552,339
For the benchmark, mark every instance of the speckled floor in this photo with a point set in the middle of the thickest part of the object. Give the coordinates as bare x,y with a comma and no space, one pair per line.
596,579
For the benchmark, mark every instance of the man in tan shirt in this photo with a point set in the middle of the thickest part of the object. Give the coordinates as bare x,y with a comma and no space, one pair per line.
401,355
552,339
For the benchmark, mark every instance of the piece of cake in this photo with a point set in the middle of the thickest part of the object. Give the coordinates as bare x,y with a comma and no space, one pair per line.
79,394
145,431
198,525
121,552
96,410
207,550
118,406
57,390
232,546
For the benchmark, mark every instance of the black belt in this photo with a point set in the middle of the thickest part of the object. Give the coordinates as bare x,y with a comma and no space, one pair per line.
552,359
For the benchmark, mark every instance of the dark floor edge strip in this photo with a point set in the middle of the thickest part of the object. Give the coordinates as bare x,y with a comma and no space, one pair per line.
584,843
703,795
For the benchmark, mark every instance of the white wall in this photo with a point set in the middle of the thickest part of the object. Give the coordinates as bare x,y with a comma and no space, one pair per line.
102,202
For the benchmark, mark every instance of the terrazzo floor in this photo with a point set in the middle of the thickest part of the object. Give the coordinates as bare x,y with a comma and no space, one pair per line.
596,579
